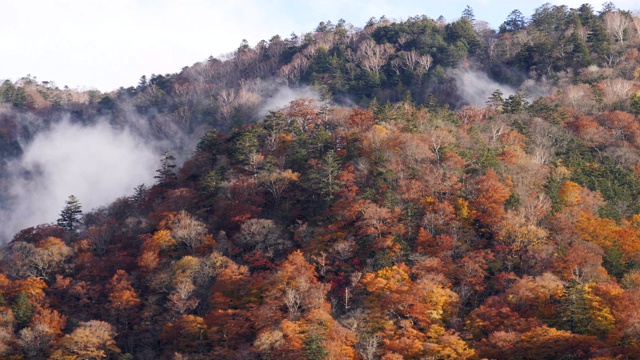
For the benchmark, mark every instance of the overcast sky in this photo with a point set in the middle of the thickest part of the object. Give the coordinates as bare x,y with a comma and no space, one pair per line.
105,44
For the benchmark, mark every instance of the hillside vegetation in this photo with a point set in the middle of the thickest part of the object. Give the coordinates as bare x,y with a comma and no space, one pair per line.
389,218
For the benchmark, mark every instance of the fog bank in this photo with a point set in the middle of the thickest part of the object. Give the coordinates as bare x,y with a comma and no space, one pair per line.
476,87
97,164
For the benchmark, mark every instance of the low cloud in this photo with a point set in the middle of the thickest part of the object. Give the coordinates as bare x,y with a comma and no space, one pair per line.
285,95
97,164
475,87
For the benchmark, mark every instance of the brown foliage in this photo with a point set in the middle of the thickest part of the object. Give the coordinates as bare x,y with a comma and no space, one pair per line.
90,340
187,334
122,296
491,195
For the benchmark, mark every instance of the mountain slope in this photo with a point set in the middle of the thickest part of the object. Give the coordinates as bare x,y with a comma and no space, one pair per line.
401,229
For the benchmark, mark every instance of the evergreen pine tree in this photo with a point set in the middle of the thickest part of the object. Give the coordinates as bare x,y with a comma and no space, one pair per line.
71,214
467,13
374,105
516,103
324,180
166,174
580,56
515,22
574,308
431,103
634,103
325,100
496,100
598,39
313,349
139,192
22,309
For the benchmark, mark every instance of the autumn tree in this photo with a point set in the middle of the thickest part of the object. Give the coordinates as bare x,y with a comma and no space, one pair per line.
46,325
616,24
380,223
525,246
35,341
188,231
373,56
39,260
275,182
48,318
153,244
492,194
123,298
422,307
298,287
90,340
186,334
541,342
182,298
263,235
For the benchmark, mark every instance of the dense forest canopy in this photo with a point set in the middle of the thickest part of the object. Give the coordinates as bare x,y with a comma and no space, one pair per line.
443,190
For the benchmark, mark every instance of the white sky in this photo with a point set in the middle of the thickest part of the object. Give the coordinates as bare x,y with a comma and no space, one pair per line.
105,44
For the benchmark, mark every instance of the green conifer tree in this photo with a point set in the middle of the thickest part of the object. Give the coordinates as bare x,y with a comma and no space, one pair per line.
22,309
166,174
71,214
574,308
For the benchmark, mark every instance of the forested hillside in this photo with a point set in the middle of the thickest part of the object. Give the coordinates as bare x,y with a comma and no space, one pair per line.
393,216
